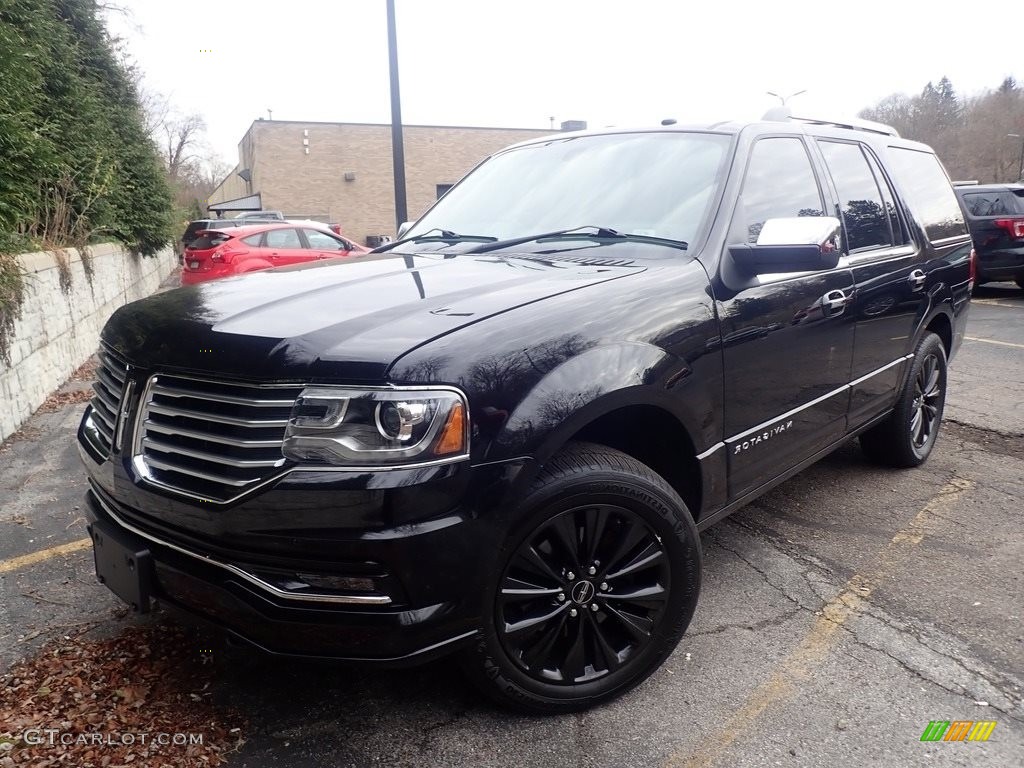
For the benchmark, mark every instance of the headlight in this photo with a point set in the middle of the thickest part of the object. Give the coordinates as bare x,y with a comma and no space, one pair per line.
377,427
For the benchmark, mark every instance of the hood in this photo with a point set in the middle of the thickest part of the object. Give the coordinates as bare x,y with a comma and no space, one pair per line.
339,321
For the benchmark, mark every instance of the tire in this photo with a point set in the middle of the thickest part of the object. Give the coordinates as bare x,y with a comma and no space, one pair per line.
597,528
902,440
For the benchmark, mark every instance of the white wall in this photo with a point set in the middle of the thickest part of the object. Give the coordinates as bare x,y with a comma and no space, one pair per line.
59,330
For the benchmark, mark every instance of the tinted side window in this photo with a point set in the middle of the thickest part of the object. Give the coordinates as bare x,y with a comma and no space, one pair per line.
900,235
867,225
993,203
283,238
780,183
928,192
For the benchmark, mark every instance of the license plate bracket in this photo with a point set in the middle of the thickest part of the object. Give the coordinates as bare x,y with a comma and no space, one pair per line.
123,564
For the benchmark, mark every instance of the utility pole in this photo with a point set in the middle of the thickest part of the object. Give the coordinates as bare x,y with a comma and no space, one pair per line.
397,142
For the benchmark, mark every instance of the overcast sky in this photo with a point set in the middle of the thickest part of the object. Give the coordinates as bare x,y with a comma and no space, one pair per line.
517,64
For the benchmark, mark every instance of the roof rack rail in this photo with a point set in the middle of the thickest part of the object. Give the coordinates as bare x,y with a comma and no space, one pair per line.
783,114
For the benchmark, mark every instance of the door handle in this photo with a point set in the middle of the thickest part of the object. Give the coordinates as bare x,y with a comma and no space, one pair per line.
834,303
917,280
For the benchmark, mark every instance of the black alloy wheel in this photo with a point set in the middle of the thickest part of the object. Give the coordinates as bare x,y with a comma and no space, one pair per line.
927,401
593,587
584,593
907,436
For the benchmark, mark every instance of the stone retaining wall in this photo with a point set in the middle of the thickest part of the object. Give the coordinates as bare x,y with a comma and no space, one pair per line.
61,318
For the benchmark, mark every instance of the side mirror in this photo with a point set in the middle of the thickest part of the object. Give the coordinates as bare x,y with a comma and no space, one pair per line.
800,244
406,226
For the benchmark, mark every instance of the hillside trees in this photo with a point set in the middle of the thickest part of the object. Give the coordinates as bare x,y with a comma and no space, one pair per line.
76,164
969,134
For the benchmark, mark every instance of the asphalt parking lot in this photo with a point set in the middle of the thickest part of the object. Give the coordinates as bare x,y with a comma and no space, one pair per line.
840,614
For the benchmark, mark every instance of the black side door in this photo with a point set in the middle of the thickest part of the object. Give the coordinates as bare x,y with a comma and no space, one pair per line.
787,339
889,270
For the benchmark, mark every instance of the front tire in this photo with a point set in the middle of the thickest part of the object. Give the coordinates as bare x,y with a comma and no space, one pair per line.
907,436
592,590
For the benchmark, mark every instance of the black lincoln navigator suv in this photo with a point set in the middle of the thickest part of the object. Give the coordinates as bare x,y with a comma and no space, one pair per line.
501,434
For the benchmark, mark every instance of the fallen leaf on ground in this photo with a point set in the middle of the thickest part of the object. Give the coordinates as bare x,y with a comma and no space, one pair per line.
59,400
103,695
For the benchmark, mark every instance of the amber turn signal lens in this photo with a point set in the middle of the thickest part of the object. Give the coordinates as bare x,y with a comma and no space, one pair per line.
453,437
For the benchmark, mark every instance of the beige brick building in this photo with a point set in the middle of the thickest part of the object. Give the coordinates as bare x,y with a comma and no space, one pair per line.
342,172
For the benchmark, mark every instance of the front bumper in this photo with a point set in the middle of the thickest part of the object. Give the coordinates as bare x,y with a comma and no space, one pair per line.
417,585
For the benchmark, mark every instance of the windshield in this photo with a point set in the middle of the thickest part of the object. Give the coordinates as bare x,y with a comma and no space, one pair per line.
657,184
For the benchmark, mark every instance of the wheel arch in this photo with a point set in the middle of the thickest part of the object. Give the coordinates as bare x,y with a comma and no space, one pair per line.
634,397
941,324
655,437
640,424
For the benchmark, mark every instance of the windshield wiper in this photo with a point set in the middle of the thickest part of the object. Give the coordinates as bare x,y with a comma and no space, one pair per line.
580,233
442,236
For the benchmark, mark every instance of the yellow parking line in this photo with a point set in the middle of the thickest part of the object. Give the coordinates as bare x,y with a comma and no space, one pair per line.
996,303
813,649
44,554
993,341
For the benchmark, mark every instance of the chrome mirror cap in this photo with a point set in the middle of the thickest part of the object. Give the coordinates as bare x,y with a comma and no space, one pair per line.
801,230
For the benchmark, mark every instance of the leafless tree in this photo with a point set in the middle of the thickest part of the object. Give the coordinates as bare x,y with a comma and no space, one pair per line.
183,135
156,111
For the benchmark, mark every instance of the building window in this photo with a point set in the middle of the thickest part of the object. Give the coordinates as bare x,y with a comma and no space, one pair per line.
442,189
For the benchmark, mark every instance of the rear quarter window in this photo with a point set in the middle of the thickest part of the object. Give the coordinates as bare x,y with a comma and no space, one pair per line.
928,192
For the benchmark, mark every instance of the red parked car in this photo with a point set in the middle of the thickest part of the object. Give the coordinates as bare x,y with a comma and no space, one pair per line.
219,253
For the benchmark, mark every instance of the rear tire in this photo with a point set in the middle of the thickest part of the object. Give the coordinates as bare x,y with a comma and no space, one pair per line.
907,436
592,590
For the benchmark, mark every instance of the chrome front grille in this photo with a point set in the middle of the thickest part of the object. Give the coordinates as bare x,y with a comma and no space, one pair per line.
111,374
211,440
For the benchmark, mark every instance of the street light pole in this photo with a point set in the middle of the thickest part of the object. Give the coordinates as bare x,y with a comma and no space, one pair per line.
1020,164
397,140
